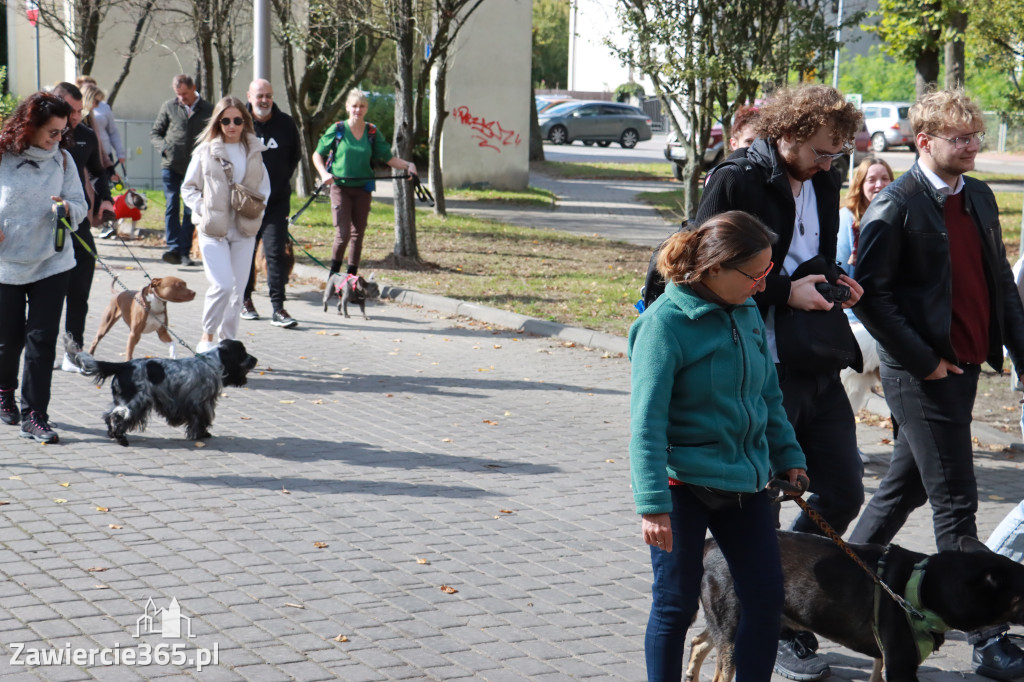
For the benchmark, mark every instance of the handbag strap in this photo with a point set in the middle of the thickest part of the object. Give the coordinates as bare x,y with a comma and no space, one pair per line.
228,170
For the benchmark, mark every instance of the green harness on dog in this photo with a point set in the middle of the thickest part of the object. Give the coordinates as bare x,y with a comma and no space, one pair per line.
925,628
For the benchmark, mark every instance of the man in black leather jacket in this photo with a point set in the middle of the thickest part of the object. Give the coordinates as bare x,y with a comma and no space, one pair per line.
940,300
785,178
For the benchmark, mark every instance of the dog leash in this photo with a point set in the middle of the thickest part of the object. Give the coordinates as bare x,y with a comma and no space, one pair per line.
780,487
422,193
121,284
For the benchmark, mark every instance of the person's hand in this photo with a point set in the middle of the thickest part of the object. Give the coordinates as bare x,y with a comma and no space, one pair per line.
327,180
412,168
105,206
56,201
856,290
803,295
657,529
944,369
120,160
798,478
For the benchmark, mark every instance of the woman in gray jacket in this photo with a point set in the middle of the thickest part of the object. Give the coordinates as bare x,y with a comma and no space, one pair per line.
38,185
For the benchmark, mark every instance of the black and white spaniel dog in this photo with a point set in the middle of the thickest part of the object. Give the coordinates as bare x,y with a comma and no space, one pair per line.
183,391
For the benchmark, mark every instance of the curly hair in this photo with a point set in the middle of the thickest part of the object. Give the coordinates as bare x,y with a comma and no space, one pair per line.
939,110
800,112
727,239
745,116
31,114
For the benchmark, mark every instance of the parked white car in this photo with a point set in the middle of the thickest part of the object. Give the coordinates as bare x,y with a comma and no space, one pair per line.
888,125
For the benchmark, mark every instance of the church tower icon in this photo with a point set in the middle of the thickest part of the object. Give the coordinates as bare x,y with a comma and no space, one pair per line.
172,624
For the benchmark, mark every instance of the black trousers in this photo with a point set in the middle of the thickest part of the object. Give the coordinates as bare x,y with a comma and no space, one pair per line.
274,235
932,458
34,332
80,284
817,407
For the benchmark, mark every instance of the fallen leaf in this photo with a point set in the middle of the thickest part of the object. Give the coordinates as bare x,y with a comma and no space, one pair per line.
322,332
341,638
4,502
101,587
491,422
507,511
390,395
102,509
65,485
200,444
96,569
446,440
422,561
448,590
286,402
569,344
302,357
320,545
59,500
507,413
886,441
318,401
15,478
497,345
610,461
286,491
245,418
294,606
114,526
998,498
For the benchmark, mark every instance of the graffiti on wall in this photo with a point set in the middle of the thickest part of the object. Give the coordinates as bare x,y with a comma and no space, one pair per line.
491,134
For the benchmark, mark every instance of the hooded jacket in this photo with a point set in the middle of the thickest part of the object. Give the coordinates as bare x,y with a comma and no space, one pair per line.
207,192
706,407
283,152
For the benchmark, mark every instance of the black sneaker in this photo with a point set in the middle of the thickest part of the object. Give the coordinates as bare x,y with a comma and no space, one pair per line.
172,257
38,428
281,318
188,262
9,412
998,658
107,232
249,310
795,661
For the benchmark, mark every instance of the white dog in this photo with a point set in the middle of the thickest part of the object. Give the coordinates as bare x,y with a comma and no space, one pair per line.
859,385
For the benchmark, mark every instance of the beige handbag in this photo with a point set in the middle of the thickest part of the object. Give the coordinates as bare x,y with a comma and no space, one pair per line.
244,201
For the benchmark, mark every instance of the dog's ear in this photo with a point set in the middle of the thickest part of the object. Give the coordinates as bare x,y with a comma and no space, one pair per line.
156,281
968,544
373,277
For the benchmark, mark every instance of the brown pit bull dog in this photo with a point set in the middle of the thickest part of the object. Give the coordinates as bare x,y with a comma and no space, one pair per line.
144,311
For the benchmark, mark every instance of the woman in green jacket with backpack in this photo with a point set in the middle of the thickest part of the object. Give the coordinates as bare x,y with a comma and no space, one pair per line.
349,147
708,433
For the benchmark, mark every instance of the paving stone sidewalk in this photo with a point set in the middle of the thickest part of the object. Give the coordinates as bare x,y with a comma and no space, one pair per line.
367,464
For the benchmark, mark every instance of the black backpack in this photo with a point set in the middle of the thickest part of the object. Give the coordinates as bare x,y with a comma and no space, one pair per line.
654,283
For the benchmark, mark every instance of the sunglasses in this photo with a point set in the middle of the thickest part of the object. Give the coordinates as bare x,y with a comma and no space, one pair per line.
757,280
57,133
237,120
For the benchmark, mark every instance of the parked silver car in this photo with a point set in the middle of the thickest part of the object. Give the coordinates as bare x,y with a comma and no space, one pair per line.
888,125
595,121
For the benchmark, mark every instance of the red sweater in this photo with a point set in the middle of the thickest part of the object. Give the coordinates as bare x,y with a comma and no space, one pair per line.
970,323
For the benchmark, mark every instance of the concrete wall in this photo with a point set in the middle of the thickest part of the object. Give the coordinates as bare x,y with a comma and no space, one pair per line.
486,137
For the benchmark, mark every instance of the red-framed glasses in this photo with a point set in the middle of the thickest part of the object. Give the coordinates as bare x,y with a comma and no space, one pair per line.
757,280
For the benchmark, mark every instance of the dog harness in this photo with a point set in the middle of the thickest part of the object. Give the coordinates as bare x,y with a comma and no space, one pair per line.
923,629
341,285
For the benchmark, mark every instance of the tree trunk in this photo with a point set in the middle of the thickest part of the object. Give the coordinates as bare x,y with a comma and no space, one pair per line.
955,67
926,71
405,209
536,143
440,115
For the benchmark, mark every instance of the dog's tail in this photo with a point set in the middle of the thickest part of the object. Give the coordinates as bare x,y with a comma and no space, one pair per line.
90,366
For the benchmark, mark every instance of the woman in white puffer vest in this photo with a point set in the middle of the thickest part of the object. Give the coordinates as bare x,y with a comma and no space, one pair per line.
229,152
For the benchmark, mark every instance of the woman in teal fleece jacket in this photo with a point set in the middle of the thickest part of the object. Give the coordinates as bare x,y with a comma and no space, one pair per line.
708,432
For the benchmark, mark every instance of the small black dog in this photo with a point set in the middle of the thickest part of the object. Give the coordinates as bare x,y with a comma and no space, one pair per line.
827,593
182,391
350,288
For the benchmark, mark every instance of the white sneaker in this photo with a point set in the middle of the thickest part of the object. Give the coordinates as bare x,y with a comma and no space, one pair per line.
204,346
68,366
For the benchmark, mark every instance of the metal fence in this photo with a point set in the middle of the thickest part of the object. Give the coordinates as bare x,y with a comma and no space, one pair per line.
142,163
1003,136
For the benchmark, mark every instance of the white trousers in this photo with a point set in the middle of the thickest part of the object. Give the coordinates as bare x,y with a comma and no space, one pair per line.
226,261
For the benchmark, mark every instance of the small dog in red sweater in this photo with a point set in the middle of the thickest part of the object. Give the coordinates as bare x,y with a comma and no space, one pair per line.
128,208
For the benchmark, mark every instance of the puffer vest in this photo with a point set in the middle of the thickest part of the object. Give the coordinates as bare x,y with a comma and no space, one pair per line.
217,212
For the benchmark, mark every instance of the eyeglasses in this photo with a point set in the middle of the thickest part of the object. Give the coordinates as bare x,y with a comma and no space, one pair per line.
757,280
237,120
964,141
819,156
57,133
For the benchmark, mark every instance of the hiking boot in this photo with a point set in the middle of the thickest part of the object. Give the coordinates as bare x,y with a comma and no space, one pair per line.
38,428
281,318
249,310
998,658
9,412
172,257
797,662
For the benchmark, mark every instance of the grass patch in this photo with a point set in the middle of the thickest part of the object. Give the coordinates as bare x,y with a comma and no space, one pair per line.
531,196
616,171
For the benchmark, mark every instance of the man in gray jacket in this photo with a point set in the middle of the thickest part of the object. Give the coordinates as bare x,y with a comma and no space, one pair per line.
174,133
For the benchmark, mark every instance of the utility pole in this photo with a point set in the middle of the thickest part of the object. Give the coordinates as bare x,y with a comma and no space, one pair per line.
261,39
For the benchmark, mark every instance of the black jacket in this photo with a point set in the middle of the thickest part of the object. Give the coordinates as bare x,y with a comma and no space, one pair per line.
174,132
904,266
86,152
755,181
281,157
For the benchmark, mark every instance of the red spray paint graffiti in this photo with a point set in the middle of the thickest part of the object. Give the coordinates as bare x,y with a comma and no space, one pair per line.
491,134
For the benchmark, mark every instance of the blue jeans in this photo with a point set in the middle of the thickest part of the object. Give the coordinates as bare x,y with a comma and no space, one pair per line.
751,548
177,231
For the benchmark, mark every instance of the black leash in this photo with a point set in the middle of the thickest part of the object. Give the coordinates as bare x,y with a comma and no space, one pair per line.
422,193
785,490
